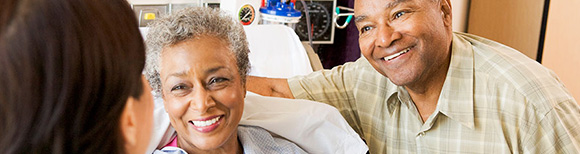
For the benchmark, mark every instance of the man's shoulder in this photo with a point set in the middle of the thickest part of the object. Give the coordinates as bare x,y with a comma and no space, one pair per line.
495,64
505,64
489,52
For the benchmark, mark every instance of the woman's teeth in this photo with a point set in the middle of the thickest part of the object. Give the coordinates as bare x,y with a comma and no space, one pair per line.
206,123
393,56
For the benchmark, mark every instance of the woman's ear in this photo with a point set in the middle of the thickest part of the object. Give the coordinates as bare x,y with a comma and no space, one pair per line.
128,123
245,92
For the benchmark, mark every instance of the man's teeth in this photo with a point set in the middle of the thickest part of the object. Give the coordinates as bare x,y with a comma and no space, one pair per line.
396,54
206,123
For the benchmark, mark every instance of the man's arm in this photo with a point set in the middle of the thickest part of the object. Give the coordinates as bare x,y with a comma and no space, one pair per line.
269,86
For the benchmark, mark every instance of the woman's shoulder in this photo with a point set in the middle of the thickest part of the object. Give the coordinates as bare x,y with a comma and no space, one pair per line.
255,139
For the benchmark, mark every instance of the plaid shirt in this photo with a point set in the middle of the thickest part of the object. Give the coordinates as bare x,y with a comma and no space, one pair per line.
494,100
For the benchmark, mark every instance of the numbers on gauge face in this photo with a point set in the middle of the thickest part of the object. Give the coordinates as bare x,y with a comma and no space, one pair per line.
320,21
246,14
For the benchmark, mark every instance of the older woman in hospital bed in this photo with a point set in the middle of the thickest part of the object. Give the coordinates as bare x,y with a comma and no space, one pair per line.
197,61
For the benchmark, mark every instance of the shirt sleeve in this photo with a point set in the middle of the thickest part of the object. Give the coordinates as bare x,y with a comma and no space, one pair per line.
557,132
334,87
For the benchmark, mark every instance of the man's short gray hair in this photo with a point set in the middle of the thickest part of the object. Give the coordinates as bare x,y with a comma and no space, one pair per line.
189,24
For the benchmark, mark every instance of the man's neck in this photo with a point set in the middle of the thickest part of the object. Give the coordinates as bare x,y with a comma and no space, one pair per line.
425,92
425,100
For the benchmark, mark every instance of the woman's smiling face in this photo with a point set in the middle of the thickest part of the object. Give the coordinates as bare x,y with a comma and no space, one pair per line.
203,93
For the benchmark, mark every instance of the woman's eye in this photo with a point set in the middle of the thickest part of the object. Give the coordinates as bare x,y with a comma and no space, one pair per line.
399,14
217,80
217,83
178,87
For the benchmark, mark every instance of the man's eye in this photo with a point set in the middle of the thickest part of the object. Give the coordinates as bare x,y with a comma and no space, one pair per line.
365,28
399,14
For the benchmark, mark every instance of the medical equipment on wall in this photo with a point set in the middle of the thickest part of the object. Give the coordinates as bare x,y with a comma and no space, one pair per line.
321,14
280,12
337,15
145,11
245,11
283,12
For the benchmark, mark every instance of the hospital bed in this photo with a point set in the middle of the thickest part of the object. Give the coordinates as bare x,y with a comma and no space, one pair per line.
276,51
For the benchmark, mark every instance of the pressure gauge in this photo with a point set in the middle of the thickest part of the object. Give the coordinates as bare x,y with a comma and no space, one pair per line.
320,22
246,14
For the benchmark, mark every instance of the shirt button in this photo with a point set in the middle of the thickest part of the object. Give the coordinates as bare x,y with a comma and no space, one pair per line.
421,134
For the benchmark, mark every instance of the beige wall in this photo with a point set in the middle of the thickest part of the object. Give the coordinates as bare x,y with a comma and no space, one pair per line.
515,23
562,44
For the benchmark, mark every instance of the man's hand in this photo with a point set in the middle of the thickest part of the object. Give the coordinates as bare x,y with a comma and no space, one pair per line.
269,86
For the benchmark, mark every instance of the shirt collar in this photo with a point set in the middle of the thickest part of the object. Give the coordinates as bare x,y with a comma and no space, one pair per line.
394,96
456,98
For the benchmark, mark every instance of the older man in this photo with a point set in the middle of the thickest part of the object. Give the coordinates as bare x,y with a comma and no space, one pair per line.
423,89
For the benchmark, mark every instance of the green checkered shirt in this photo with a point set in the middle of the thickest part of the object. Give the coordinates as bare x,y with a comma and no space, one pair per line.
494,100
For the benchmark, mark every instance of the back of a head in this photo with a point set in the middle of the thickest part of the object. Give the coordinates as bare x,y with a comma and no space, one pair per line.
67,67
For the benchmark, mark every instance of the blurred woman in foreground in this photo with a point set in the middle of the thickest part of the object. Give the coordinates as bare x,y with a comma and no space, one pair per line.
70,78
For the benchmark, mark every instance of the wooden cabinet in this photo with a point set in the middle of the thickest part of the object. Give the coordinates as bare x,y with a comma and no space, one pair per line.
515,23
518,24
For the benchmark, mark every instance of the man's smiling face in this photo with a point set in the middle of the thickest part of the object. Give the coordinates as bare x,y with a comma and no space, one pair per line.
404,39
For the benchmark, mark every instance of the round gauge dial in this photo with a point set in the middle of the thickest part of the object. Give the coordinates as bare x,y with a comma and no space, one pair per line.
320,21
246,14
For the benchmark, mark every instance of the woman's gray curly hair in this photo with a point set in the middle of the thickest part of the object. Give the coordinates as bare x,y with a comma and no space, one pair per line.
188,24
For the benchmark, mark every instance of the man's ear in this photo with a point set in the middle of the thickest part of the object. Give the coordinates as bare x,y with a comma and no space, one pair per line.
128,123
446,11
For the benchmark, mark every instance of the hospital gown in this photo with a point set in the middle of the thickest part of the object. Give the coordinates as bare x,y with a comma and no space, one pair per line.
254,140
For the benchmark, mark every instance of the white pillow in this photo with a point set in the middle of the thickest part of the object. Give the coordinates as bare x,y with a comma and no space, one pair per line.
315,127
